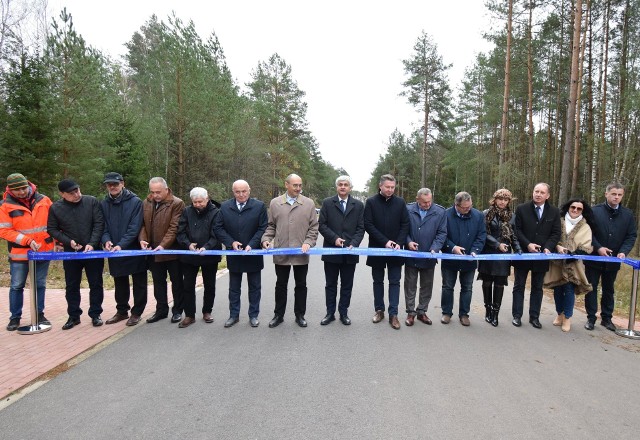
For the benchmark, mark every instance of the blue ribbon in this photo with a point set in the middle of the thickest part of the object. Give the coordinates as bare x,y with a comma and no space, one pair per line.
375,252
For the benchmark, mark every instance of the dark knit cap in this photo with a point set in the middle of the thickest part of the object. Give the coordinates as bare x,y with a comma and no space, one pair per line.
17,181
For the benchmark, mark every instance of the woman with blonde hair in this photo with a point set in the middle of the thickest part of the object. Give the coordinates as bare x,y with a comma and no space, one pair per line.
501,239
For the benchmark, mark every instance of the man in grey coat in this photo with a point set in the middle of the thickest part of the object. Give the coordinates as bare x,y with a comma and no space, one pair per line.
427,233
293,223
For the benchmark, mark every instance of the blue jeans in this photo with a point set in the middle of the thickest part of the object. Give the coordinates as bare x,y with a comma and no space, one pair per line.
393,274
466,289
19,271
254,280
565,299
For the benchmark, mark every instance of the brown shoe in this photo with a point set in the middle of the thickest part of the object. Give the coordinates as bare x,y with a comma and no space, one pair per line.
379,316
117,318
424,318
464,320
133,320
393,321
446,319
409,321
207,318
186,322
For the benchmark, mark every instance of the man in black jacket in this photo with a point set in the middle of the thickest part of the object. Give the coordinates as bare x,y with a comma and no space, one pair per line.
614,235
538,229
386,220
240,226
76,221
122,211
341,223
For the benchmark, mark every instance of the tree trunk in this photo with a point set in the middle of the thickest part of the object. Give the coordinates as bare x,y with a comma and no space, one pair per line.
505,101
576,145
570,132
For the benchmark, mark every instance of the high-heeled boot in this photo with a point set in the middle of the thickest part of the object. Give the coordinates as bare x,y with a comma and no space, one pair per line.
486,292
498,291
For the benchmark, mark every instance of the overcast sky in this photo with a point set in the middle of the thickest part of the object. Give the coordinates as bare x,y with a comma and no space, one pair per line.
346,55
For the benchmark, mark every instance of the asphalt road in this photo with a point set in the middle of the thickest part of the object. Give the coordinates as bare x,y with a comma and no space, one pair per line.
337,382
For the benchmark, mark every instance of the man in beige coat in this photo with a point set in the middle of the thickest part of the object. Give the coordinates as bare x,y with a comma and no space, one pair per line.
293,223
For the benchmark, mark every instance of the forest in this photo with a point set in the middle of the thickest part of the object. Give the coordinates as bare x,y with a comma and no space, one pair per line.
554,100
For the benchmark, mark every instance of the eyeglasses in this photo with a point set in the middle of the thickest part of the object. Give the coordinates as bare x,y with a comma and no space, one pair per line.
576,208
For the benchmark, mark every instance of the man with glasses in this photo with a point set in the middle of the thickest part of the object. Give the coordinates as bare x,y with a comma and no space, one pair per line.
122,212
466,234
293,222
614,235
77,222
538,230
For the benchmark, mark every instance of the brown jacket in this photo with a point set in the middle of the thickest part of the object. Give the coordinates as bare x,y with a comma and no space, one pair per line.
160,225
571,271
291,226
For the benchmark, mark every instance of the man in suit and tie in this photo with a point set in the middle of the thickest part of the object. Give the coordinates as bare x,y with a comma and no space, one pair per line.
240,225
341,223
538,230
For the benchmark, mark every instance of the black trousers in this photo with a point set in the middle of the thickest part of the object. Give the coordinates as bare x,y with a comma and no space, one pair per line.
535,301
300,291
122,294
73,274
331,273
190,273
159,271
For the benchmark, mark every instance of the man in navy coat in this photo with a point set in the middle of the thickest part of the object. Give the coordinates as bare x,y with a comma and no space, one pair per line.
240,225
386,220
341,224
466,234
614,235
538,229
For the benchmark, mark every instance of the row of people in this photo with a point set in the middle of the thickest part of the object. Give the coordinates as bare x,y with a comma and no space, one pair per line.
28,221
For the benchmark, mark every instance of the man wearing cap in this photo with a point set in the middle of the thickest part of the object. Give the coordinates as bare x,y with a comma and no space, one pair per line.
76,221
161,212
122,211
23,223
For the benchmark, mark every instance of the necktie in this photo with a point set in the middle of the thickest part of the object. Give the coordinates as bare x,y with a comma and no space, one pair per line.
538,212
240,206
343,205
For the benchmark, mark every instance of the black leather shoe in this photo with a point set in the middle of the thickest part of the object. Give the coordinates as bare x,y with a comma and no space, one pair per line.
176,317
231,321
608,325
71,322
328,319
516,321
301,321
535,322
156,317
589,325
254,322
13,325
97,321
43,319
276,321
345,320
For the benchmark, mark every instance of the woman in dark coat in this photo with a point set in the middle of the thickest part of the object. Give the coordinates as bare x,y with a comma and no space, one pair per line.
501,239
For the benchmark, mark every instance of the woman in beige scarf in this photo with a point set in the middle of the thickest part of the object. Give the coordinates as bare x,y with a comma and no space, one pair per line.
567,277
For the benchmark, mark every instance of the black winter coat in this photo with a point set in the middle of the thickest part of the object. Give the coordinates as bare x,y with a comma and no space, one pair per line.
196,226
384,220
494,239
122,224
82,222
615,229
